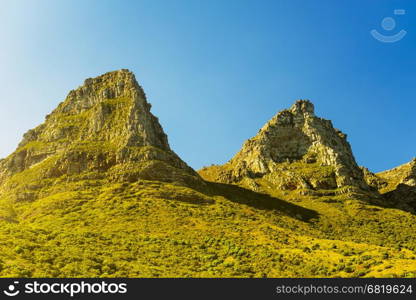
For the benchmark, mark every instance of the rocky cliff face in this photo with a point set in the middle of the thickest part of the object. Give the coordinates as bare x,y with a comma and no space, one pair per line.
294,150
399,186
404,174
103,129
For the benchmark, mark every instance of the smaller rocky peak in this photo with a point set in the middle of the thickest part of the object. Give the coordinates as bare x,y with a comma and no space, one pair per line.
410,178
303,107
295,138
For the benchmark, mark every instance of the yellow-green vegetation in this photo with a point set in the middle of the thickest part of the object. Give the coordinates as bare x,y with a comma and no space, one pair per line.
343,218
96,191
154,229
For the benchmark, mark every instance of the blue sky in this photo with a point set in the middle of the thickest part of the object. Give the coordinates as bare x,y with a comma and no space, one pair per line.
216,71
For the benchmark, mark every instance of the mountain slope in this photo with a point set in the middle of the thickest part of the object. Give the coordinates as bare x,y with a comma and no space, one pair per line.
96,191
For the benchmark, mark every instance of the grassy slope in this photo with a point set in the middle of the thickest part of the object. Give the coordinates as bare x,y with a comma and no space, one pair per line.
88,225
341,216
154,229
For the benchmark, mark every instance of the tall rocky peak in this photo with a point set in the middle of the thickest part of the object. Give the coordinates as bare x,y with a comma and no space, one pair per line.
297,141
112,107
104,129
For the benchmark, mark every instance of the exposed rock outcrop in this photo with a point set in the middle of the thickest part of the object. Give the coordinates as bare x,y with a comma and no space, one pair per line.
404,174
374,181
103,129
400,187
294,150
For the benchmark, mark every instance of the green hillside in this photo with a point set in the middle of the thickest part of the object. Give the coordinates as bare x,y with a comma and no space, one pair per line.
155,229
96,191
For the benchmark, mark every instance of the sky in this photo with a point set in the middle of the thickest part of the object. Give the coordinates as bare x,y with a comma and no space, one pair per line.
216,71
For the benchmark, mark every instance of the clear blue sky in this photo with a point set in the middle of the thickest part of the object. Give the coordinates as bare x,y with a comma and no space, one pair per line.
216,71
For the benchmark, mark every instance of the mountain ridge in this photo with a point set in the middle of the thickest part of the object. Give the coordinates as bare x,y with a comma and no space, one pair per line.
96,191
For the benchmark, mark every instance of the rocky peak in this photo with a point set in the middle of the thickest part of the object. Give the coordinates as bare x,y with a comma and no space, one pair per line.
111,107
103,128
296,136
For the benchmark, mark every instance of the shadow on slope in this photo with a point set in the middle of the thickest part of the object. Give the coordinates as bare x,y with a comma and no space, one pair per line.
403,197
257,200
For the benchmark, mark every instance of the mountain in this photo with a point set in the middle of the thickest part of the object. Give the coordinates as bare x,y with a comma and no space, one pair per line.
404,174
398,186
294,151
103,129
96,191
